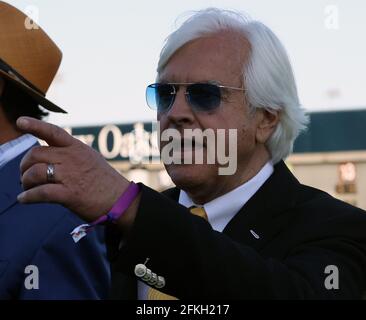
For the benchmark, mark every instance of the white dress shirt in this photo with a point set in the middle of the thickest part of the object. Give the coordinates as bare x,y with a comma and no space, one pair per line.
222,209
13,148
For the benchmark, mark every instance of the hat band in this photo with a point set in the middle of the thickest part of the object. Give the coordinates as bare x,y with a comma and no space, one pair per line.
9,70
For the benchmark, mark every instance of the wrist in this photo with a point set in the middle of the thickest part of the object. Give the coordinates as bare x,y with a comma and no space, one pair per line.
122,213
121,205
127,219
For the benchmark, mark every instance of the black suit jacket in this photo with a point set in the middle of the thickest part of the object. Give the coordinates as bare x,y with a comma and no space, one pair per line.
301,231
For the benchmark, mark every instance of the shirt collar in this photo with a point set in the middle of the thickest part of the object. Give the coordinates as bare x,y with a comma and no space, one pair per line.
222,209
13,148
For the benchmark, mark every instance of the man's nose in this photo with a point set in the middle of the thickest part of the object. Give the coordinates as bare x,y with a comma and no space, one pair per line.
180,112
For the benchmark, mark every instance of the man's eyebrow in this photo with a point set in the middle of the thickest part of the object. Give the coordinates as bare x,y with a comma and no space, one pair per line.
167,79
162,80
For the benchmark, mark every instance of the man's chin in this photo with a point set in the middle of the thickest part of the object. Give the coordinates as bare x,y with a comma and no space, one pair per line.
188,175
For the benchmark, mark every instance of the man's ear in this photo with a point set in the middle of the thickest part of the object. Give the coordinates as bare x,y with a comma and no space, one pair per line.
267,123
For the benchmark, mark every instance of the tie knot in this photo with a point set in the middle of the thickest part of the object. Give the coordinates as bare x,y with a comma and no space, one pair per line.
199,211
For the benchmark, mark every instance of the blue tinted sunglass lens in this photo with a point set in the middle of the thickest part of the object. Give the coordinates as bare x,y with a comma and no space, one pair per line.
204,96
159,96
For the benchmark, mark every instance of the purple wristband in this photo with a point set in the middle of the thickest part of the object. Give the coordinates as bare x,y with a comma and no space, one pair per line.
122,204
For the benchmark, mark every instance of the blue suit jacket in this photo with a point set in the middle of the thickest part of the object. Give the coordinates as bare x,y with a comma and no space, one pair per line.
39,235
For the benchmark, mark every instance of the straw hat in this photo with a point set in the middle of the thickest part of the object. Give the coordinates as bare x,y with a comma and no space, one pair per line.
28,57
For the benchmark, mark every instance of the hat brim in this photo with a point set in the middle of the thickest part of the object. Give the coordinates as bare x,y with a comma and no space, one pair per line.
42,100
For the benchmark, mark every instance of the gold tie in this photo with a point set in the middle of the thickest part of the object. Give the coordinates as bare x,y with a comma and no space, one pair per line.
154,294
199,211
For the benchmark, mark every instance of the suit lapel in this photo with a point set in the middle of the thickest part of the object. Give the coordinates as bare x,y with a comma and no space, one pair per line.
266,214
10,183
172,193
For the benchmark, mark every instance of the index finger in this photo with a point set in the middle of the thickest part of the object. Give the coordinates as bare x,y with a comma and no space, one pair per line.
53,135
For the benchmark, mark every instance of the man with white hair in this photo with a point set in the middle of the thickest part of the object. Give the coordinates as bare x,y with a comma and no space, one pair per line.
257,233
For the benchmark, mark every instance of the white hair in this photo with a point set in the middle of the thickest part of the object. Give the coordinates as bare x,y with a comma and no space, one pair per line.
268,76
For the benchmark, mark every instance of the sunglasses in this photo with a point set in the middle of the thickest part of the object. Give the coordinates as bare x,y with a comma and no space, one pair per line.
200,96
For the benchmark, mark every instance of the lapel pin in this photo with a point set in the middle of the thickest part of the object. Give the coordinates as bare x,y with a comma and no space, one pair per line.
254,234
141,270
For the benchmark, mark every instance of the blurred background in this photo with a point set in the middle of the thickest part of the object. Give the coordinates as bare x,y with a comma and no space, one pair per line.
111,49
